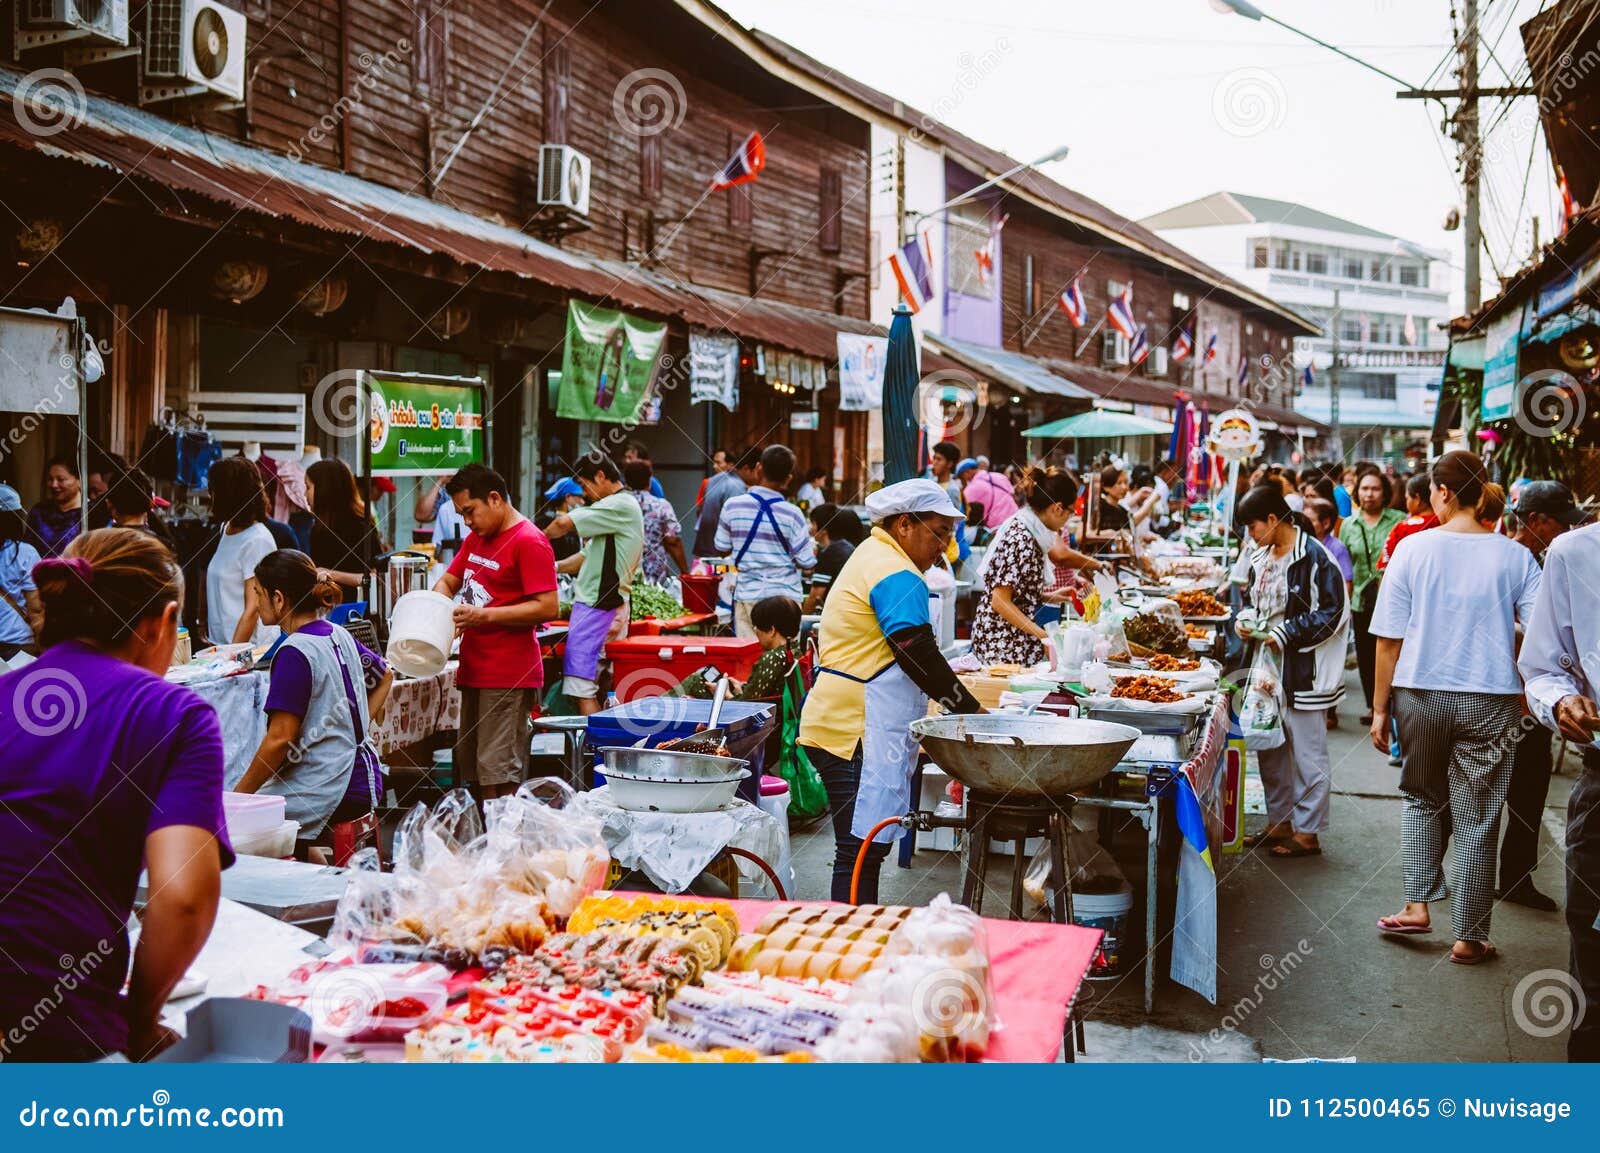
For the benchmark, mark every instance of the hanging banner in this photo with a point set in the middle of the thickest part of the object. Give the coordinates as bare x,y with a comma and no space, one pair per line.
861,363
713,369
422,426
609,365
1500,367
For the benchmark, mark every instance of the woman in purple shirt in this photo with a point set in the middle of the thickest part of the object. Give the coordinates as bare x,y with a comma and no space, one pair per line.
104,767
316,753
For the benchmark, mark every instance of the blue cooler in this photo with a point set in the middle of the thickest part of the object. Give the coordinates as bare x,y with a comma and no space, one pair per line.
662,719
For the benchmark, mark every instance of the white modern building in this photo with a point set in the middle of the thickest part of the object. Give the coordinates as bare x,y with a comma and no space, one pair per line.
1391,297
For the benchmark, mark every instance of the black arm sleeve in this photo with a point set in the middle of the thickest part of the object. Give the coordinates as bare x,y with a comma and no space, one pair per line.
917,653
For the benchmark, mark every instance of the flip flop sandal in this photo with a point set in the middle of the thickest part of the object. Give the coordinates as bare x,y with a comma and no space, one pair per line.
1289,847
1256,839
1396,928
1473,959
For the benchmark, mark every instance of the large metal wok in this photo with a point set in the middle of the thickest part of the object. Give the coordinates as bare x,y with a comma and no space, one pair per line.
1027,755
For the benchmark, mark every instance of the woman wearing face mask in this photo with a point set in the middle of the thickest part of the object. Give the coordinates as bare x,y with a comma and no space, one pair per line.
1365,533
1019,566
326,691
1446,628
880,663
1300,610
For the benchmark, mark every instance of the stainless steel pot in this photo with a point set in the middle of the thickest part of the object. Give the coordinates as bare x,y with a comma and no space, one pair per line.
406,572
666,764
1032,756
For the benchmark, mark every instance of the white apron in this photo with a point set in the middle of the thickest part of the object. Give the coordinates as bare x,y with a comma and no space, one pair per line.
888,749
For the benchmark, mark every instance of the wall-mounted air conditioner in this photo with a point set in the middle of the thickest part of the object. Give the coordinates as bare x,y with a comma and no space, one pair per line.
1156,363
1113,348
563,179
193,48
42,22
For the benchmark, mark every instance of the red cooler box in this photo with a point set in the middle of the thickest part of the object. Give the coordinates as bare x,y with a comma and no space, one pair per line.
649,666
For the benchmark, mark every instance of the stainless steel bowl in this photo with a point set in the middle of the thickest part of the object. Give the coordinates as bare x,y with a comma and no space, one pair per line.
668,764
1033,756
671,795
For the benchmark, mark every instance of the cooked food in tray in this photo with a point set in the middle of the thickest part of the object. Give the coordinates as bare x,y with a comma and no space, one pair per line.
1156,690
1199,603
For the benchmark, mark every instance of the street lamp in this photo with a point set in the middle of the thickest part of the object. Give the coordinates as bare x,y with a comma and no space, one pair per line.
1251,12
1049,157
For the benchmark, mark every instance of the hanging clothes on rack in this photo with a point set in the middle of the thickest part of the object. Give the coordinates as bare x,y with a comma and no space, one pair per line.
291,498
179,449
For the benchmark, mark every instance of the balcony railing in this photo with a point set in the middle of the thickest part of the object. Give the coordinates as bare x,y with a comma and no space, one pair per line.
1351,284
1369,354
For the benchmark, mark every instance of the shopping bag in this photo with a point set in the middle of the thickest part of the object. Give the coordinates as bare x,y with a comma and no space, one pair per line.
807,797
1261,713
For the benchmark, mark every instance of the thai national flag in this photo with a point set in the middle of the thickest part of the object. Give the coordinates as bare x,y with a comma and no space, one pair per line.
1183,346
1211,349
1308,378
1242,377
1073,305
1140,347
1120,312
985,255
745,164
913,271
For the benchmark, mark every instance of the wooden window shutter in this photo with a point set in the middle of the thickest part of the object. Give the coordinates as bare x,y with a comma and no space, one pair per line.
433,45
830,223
650,167
557,92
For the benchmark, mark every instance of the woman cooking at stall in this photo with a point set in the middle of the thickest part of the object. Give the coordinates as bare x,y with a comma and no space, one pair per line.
880,663
1020,565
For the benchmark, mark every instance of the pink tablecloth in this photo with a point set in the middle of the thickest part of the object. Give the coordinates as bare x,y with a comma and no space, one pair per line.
1037,970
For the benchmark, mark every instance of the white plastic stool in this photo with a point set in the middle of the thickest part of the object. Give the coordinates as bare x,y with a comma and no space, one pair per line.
775,801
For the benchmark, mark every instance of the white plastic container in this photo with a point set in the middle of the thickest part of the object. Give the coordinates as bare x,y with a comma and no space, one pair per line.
420,633
277,843
251,814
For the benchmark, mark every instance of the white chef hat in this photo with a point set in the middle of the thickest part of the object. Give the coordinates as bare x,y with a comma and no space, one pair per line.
917,496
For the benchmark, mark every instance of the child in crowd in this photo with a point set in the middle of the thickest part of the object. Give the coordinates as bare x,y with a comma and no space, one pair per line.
776,621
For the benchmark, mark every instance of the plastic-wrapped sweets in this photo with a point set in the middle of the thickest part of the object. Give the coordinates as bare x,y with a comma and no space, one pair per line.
930,997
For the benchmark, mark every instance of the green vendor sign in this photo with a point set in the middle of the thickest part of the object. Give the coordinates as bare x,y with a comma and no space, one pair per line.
421,425
609,365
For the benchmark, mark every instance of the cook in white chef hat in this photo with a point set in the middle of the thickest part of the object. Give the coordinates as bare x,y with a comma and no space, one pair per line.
919,497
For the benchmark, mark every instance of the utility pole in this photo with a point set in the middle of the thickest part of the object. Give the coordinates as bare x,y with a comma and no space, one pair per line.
1471,156
1333,382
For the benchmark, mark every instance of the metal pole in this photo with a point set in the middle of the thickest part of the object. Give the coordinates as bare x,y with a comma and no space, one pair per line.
1333,384
1467,120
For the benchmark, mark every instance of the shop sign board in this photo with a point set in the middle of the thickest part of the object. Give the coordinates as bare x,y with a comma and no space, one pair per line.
861,363
423,425
805,421
1500,366
609,364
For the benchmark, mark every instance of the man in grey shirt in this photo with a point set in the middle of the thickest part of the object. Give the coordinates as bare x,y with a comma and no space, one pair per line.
724,485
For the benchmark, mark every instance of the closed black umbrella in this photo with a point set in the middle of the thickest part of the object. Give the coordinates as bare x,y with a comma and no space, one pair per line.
901,430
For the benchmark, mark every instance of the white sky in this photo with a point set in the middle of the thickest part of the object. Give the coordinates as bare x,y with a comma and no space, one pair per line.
1142,90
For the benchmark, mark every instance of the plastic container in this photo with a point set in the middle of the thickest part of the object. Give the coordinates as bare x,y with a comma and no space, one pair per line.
650,666
700,592
278,843
420,633
359,1006
234,1030
251,814
775,802
1107,912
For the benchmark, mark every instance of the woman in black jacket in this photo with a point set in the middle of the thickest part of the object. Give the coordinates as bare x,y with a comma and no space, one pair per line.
1300,610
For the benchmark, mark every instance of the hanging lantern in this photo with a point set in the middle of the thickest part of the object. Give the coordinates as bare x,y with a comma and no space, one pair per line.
237,281
37,239
451,320
325,295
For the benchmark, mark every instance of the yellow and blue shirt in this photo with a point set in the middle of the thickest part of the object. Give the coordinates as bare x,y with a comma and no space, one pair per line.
877,593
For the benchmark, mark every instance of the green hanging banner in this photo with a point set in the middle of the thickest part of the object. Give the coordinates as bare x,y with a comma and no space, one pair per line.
609,365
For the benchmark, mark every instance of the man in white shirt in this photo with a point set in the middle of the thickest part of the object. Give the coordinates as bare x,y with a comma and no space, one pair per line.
1560,663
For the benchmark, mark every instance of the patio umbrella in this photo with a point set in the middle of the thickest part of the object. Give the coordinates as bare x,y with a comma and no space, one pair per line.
1097,424
901,427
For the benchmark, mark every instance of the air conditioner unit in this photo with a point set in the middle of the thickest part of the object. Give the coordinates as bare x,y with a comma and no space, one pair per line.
564,178
1156,363
1113,348
55,21
193,48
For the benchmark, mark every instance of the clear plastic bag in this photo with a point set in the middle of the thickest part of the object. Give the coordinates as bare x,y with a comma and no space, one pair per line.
938,962
553,847
1260,712
1093,869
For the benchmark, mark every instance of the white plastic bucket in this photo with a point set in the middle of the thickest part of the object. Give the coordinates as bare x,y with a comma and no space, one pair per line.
420,633
1107,912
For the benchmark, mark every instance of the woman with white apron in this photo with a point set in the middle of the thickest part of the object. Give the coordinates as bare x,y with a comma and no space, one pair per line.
326,691
879,666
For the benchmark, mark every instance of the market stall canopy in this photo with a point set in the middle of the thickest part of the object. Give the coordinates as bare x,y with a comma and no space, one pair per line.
1098,425
1023,374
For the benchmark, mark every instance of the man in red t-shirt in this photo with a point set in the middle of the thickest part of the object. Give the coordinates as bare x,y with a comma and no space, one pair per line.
505,577
1420,519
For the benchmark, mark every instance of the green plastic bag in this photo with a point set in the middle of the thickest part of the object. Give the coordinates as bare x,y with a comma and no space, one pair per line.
807,797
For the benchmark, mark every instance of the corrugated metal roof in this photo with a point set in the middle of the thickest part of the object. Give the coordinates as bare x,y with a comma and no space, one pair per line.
1024,373
139,145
